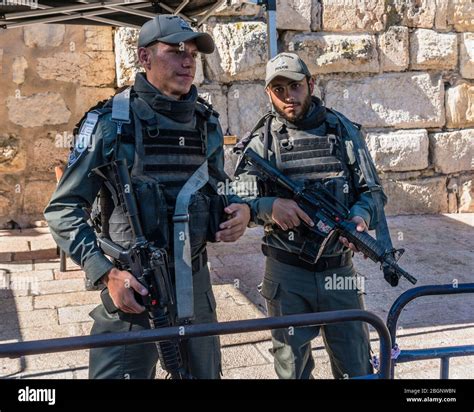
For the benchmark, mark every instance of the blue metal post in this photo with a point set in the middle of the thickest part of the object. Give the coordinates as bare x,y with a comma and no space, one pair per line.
444,372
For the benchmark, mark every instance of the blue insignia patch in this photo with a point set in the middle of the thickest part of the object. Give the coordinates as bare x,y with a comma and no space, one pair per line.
84,139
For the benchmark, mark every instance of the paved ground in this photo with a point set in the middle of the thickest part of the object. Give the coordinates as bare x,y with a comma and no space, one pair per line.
39,302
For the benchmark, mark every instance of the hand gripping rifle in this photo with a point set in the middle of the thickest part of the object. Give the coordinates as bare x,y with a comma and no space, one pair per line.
329,215
147,263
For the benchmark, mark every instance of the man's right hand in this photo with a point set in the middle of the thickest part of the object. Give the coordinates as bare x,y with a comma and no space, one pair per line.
287,214
121,285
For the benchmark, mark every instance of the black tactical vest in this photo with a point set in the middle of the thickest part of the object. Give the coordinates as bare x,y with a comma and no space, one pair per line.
167,153
307,155
310,152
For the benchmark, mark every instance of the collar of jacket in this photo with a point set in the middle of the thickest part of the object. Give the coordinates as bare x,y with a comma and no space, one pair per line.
179,110
313,119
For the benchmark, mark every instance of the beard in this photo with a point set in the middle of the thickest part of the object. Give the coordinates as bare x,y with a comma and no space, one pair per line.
294,118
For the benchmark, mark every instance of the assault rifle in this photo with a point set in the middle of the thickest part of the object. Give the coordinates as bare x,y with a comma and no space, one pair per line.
330,217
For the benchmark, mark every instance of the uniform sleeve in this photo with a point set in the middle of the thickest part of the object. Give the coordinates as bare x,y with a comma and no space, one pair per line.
364,205
245,185
216,162
66,212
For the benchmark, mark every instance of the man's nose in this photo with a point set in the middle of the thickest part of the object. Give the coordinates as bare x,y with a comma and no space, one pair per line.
289,97
188,60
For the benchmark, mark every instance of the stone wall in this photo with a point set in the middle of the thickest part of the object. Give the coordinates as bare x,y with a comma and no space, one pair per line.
402,68
49,76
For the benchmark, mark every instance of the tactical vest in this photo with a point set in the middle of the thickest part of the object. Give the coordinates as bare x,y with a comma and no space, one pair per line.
166,150
310,156
166,154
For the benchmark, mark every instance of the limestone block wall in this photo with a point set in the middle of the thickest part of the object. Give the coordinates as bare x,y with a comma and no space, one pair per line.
402,68
49,76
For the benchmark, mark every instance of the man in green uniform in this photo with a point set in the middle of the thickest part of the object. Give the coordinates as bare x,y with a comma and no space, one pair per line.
166,133
307,143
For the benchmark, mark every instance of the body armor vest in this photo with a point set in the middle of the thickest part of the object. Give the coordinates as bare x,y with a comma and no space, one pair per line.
312,155
167,150
167,153
308,155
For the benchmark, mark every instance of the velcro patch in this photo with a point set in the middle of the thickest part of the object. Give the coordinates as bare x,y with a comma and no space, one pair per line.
84,139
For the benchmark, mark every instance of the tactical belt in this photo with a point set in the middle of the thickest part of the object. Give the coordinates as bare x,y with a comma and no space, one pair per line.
321,265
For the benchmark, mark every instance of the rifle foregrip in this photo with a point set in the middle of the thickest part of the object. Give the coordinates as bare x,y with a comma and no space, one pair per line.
363,241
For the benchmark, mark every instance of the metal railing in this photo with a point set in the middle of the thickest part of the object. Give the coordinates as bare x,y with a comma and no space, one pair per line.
18,349
444,353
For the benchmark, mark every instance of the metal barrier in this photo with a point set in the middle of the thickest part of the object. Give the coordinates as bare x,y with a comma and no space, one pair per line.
14,350
401,356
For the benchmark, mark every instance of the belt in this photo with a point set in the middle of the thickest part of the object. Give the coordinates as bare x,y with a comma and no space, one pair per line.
323,263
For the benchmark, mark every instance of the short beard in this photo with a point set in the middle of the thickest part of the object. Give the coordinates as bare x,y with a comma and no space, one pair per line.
304,110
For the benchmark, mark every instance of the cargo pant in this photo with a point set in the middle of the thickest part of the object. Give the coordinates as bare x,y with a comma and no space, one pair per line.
290,290
139,361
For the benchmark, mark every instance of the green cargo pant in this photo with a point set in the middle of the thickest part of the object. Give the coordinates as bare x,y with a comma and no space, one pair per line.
139,361
289,290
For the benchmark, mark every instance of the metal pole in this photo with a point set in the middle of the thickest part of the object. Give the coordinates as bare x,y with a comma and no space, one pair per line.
411,355
60,19
270,7
444,373
173,11
89,15
181,6
207,329
410,294
208,13
272,33
141,13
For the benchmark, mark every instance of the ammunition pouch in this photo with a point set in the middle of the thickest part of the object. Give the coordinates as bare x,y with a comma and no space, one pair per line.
216,215
198,221
153,214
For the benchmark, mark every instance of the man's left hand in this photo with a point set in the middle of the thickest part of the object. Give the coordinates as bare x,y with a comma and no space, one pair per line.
235,227
361,227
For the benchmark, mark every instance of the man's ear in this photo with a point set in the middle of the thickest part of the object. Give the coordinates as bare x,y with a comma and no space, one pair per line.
311,85
144,57
267,90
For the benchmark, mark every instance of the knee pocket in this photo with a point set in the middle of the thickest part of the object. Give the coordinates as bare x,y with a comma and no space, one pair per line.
270,289
271,292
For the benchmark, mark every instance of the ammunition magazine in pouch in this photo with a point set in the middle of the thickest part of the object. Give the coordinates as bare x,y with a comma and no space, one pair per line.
216,215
